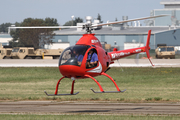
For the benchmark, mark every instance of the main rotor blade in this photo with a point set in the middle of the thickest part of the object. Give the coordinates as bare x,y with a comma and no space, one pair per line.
128,20
47,27
95,25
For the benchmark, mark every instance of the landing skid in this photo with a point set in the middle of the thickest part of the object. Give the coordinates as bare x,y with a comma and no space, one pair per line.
59,94
100,87
72,88
56,91
109,91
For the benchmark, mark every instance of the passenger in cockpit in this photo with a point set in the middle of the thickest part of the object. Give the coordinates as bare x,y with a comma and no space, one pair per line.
92,59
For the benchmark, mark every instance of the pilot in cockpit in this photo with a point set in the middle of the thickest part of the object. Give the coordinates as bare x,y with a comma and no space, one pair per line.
78,56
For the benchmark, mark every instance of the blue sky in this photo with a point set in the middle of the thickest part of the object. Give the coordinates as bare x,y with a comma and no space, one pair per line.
17,10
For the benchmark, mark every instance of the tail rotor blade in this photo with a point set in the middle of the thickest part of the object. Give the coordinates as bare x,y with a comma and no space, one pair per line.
137,59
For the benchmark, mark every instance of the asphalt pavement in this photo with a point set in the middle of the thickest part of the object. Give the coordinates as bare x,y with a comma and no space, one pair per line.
119,63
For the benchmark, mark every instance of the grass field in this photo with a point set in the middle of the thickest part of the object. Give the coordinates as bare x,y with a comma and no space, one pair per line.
142,84
86,117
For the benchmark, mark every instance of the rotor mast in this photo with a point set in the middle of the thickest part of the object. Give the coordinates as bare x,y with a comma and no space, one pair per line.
88,25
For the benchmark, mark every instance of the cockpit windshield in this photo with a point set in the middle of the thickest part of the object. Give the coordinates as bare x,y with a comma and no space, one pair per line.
170,49
73,55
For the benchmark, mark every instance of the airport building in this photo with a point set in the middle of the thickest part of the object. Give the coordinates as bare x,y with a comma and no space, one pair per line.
4,39
171,8
165,30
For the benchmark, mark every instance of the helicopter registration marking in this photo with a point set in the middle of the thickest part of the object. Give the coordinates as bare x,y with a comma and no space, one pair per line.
138,50
117,55
94,41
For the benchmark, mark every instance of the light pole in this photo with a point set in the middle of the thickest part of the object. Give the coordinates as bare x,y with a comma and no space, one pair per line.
72,19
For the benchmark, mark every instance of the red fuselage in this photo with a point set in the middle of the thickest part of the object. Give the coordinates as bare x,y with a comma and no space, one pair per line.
69,66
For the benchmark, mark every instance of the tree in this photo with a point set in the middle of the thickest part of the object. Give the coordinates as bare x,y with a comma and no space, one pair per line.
51,22
4,27
99,18
73,22
15,35
36,37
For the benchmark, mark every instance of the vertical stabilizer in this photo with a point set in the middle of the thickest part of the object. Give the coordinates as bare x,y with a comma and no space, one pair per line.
147,48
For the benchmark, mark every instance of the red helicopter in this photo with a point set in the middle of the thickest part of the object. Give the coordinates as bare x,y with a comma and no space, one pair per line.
76,61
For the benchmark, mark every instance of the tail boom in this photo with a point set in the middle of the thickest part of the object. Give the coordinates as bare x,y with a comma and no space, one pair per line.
124,53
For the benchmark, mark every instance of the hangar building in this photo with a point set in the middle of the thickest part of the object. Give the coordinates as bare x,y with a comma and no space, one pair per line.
165,30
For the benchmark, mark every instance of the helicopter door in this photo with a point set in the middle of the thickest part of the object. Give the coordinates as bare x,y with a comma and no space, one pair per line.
92,58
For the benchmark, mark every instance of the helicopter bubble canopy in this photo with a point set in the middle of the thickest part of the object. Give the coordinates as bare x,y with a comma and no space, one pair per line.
73,55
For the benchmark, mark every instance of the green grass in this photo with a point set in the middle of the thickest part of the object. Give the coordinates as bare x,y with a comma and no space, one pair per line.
142,84
85,117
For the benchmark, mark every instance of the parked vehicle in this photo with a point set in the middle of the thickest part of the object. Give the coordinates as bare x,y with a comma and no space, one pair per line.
165,52
5,52
31,53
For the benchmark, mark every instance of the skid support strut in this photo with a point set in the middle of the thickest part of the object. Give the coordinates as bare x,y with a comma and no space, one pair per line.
111,80
56,91
101,89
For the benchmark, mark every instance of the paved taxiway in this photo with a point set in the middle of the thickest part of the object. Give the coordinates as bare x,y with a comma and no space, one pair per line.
48,107
121,63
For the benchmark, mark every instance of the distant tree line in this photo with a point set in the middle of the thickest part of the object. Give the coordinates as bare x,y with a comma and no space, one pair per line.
35,37
4,27
73,22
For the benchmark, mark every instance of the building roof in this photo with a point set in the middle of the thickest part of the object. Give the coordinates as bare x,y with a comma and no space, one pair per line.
109,31
170,2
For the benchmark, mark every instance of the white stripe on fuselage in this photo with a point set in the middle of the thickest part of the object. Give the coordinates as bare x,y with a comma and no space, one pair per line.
97,69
